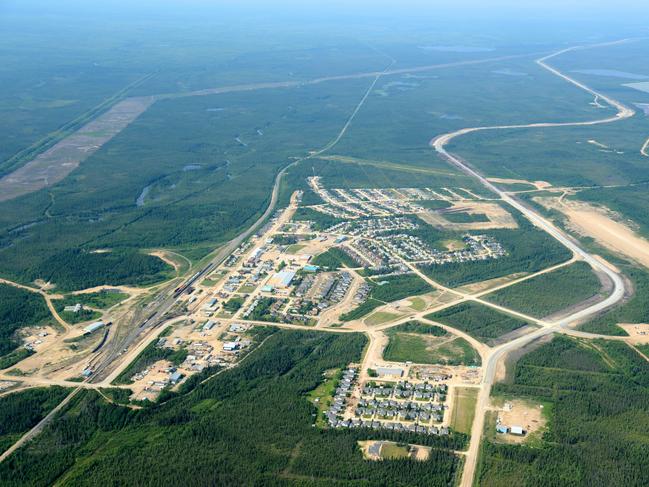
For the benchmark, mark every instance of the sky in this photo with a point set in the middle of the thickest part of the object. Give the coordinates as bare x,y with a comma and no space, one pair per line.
606,18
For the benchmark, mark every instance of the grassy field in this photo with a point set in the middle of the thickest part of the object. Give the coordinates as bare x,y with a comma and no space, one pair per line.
551,292
386,290
380,317
292,249
428,344
394,451
477,320
464,409
422,349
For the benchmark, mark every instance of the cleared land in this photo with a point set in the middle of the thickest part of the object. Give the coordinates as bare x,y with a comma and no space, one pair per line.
464,404
425,344
599,224
58,161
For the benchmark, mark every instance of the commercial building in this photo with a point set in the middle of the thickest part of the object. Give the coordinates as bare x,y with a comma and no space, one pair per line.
93,327
282,279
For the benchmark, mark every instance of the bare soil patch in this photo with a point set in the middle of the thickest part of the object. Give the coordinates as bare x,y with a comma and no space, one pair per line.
58,161
638,332
498,217
521,413
604,226
536,184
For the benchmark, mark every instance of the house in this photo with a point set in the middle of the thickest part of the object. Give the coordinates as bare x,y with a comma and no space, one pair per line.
230,346
175,377
389,371
73,309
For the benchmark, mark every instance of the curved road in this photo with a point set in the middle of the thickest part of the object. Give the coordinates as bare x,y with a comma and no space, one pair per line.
618,291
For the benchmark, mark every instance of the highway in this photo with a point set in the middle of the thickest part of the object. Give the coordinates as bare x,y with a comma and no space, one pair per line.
618,290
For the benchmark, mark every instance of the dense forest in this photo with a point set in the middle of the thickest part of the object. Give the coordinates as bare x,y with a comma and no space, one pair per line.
79,269
597,433
479,321
20,411
251,425
548,293
635,310
18,308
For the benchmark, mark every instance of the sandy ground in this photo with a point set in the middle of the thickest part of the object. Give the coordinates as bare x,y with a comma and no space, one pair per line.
59,160
497,215
477,287
600,224
536,184
520,413
638,333
312,247
56,358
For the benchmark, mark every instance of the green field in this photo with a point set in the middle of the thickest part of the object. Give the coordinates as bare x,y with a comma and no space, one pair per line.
479,321
334,258
386,290
404,347
100,300
380,317
548,293
464,408
426,344
394,451
596,436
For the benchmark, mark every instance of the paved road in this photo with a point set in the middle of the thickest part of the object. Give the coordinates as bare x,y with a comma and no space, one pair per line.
617,293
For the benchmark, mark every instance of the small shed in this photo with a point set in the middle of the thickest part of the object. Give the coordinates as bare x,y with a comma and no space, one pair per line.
517,430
